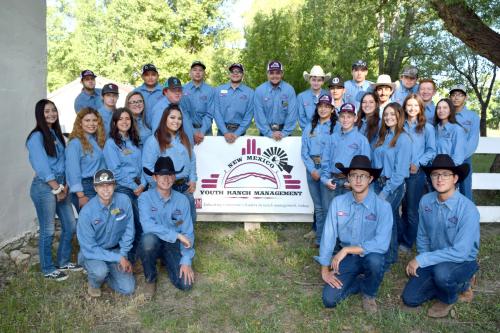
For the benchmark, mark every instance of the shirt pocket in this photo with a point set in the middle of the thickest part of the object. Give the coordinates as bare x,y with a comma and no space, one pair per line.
451,229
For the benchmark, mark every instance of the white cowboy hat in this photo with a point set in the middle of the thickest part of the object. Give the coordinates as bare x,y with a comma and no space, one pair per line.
383,80
317,71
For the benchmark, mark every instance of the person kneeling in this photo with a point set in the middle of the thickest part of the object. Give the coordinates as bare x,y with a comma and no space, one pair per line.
168,229
362,222
447,242
105,231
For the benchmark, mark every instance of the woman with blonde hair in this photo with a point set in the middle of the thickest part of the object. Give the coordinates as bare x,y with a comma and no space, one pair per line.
84,155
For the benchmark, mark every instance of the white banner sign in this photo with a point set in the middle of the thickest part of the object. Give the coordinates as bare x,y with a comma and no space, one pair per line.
252,175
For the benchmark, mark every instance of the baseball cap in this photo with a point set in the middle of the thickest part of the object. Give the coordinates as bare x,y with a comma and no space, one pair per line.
325,99
198,63
274,66
109,88
149,68
172,82
459,87
410,71
104,176
347,107
335,81
236,65
359,63
87,72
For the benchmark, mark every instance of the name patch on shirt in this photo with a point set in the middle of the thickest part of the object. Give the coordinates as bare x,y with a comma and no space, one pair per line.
154,209
120,217
427,209
243,97
371,217
97,221
453,219
223,92
353,146
342,213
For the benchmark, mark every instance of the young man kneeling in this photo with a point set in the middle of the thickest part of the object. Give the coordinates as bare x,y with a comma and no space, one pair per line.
362,222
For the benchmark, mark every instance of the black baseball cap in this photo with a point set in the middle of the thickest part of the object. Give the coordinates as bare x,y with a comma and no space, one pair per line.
335,81
198,63
359,63
149,68
87,72
236,65
109,88
172,82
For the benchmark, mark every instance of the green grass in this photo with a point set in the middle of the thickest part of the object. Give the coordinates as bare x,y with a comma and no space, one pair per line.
264,281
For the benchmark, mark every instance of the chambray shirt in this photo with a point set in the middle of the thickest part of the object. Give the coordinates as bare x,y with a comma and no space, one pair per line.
151,97
84,100
102,228
394,161
341,148
275,105
401,92
430,111
470,121
144,131
314,144
166,218
178,153
187,124
447,231
306,103
423,145
451,140
106,115
233,106
366,224
46,167
82,164
124,162
354,93
200,99
364,130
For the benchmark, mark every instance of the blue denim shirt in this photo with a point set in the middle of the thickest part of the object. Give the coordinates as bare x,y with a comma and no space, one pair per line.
354,93
151,97
187,124
470,121
81,164
430,111
341,148
275,105
177,152
447,231
233,106
451,140
46,167
106,115
306,103
367,224
364,130
394,161
124,162
102,228
84,100
166,218
423,144
201,99
401,92
314,144
144,131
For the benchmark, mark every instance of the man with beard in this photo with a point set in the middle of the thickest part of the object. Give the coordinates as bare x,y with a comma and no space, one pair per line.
90,95
233,105
384,87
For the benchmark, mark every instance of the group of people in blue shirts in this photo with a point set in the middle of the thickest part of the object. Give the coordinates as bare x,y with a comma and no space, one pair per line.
130,172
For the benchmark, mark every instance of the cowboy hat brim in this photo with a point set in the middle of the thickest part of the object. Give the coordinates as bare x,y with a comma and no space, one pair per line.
375,173
461,170
307,76
161,172
374,86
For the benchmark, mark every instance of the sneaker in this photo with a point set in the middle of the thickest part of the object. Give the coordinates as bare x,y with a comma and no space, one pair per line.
369,304
56,275
149,290
71,267
310,235
439,310
94,292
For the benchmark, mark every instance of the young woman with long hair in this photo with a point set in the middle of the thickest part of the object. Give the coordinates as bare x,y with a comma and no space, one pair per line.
49,190
84,156
368,121
135,102
171,140
451,138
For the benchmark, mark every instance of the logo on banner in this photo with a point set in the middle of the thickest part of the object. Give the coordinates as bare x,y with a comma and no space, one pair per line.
254,173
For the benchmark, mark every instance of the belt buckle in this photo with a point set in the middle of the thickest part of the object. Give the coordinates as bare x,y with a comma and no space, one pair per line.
275,127
316,159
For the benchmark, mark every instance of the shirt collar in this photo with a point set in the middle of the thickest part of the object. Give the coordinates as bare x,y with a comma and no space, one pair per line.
451,202
368,201
159,198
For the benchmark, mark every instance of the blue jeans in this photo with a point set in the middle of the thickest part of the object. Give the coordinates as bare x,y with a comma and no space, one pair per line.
315,191
100,271
152,248
358,274
184,190
327,196
394,199
46,206
466,185
132,254
443,281
415,187
88,190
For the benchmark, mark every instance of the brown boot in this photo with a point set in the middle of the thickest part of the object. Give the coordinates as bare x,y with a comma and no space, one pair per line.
369,304
94,292
439,310
149,290
468,295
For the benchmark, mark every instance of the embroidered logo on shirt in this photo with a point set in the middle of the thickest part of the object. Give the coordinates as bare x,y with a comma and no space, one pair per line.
154,209
127,151
342,213
306,104
97,221
203,98
353,146
371,217
468,122
244,97
177,212
427,209
116,211
120,217
453,219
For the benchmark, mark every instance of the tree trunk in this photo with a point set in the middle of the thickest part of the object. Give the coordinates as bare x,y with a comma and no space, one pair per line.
463,23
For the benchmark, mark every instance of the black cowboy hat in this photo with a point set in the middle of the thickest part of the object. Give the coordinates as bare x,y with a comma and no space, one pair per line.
444,161
360,162
163,166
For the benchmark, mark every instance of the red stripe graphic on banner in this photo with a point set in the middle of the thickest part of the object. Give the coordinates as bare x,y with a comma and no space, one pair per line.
291,181
208,185
211,181
292,187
